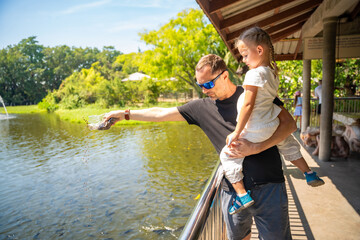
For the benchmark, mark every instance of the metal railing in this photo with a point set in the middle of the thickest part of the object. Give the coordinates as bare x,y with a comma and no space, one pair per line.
347,105
206,221
343,105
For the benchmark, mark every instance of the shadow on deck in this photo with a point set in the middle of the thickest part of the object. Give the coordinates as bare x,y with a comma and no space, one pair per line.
330,211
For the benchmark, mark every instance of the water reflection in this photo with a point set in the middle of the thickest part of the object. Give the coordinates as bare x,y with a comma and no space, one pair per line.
58,179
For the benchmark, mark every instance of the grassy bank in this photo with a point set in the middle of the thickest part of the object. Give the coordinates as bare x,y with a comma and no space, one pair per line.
22,109
78,115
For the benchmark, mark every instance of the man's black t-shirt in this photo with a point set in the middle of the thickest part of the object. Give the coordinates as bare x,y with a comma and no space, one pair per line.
218,119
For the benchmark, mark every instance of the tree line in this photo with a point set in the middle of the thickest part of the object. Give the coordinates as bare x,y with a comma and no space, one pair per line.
28,70
70,77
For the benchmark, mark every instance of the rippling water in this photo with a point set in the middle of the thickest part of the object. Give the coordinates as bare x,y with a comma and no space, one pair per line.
59,180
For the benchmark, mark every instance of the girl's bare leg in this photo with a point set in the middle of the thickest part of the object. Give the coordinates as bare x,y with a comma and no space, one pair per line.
239,187
301,164
296,118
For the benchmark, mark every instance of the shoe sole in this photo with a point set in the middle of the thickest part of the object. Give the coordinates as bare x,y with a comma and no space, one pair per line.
316,183
243,207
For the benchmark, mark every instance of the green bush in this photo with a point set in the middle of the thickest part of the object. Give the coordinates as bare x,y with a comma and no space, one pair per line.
49,103
72,102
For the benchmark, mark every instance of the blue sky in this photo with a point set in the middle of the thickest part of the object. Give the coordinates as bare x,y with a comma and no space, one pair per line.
86,23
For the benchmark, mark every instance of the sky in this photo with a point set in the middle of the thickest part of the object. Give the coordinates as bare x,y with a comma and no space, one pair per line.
86,23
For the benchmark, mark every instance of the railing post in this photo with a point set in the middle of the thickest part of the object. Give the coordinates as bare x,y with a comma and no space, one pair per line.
305,120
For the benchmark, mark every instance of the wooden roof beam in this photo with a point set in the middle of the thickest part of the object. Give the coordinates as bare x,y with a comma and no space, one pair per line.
288,23
284,57
297,47
355,12
283,34
278,17
215,20
216,5
253,12
329,8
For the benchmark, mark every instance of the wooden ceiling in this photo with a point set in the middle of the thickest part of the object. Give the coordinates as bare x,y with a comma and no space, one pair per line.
282,19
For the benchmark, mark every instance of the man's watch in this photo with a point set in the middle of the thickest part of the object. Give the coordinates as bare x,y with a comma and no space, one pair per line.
127,114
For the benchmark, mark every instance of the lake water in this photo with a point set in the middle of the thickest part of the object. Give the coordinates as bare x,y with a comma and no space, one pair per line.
58,180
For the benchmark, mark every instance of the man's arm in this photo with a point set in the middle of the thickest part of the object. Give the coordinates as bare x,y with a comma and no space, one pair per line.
243,148
155,114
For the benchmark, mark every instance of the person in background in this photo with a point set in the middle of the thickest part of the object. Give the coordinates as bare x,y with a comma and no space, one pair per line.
318,95
298,107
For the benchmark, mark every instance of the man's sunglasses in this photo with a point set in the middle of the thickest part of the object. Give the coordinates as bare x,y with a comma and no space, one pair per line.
210,84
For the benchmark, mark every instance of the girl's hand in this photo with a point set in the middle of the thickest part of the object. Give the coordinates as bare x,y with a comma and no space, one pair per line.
231,138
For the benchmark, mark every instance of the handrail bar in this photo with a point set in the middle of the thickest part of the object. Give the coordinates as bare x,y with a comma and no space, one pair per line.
196,221
335,98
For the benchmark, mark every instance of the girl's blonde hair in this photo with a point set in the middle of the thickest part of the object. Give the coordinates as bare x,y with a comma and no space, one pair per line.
258,36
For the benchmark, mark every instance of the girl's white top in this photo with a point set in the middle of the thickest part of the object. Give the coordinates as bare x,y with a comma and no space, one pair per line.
265,111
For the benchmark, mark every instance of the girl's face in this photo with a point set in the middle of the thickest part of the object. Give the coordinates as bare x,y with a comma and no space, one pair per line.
252,55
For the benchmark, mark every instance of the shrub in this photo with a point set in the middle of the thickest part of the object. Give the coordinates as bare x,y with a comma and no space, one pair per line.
49,103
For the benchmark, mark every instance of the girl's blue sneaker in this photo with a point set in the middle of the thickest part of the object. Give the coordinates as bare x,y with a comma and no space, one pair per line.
313,180
240,203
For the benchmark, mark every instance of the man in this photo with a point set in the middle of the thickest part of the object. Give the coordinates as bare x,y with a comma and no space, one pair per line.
216,116
318,95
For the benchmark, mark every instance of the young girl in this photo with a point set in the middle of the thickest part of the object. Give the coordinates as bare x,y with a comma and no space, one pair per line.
257,115
298,107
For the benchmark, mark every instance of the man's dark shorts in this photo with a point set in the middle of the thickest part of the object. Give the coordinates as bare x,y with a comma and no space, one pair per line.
318,111
270,212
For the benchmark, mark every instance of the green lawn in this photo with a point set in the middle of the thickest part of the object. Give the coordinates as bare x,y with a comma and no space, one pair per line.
78,115
21,109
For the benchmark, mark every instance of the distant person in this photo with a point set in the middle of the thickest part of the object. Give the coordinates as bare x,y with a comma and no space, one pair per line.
318,95
257,116
298,107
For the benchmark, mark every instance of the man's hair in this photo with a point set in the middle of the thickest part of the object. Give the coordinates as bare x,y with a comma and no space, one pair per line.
215,62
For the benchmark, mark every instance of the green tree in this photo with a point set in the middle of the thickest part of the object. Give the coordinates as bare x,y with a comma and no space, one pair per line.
22,72
33,86
57,65
178,45
28,70
108,55
98,84
12,75
127,63
347,77
290,76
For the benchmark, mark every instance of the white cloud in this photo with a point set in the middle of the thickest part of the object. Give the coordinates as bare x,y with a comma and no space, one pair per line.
142,4
81,7
140,22
155,3
149,22
128,26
